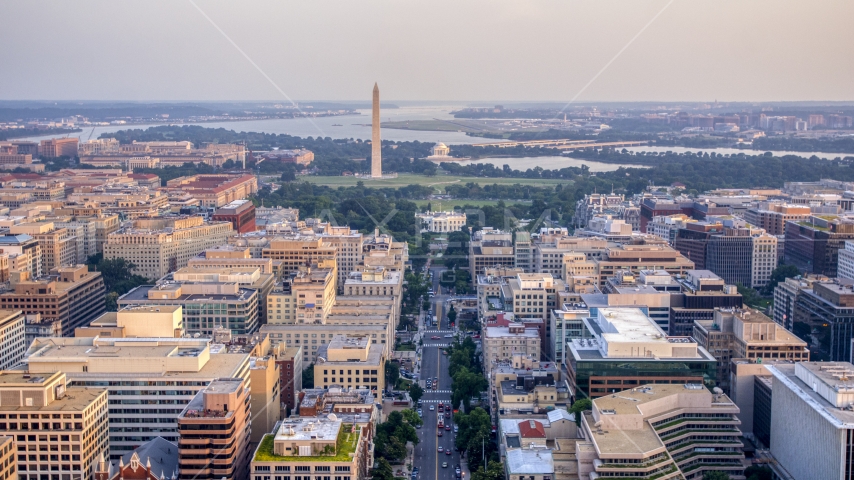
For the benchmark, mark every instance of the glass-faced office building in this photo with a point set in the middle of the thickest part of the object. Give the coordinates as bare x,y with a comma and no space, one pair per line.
627,349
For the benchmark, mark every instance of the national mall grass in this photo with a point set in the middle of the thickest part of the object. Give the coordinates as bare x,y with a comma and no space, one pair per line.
436,182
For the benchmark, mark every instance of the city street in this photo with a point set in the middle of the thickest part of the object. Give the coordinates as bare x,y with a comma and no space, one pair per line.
435,365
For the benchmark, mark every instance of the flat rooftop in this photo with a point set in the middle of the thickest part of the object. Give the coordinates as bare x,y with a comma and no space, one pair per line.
841,418
631,402
530,461
629,325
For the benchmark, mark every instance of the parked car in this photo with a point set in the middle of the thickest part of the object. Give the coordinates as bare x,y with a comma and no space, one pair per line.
432,407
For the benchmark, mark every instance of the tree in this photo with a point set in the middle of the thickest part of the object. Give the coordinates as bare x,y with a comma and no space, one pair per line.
415,392
382,470
780,274
756,472
579,407
392,436
749,295
412,418
392,373
715,475
494,471
308,377
118,277
452,315
466,385
473,436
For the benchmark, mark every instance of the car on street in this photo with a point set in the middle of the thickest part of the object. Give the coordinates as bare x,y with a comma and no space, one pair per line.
435,386
432,407
449,336
457,470
444,464
476,336
447,414
447,428
441,449
439,434
434,337
435,379
456,429
448,451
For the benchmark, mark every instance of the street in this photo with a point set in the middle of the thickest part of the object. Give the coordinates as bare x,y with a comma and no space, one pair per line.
435,365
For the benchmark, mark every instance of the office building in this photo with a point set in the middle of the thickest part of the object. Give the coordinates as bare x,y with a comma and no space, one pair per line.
351,361
786,295
737,252
65,424
58,246
298,157
175,154
157,246
206,306
297,251
813,244
214,431
828,310
8,455
241,214
12,338
501,343
627,349
812,425
667,226
702,292
228,256
845,265
637,257
264,377
772,217
531,295
314,446
58,147
523,250
661,431
490,248
290,362
565,323
305,296
72,296
441,222
749,334
215,190
323,401
138,368
312,336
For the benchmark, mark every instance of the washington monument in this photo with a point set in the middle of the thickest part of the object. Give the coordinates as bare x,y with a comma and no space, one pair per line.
376,143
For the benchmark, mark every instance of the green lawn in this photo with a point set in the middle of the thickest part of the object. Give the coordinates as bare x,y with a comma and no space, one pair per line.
445,205
437,182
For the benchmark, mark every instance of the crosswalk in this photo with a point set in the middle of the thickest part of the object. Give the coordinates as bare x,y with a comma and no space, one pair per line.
426,391
439,345
433,400
443,332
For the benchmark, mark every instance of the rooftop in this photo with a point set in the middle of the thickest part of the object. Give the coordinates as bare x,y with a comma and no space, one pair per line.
828,373
530,461
346,438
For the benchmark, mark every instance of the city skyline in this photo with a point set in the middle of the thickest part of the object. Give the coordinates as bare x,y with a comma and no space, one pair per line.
651,50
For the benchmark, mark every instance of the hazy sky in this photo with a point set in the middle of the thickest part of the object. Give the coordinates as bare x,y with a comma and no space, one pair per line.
739,50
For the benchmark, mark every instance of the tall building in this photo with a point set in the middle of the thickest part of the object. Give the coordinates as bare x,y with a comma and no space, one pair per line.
702,293
305,296
523,251
157,246
772,217
12,338
747,334
74,437
490,248
214,432
151,371
59,147
845,268
813,244
376,141
828,310
786,297
351,361
812,424
241,214
8,463
661,431
626,349
501,343
289,360
72,296
264,376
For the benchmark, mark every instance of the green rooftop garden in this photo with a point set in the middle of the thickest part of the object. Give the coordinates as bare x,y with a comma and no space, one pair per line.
345,445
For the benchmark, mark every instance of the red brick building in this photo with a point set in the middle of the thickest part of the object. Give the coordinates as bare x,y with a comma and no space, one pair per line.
241,214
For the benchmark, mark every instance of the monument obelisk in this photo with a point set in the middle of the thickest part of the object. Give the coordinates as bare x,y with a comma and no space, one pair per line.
376,143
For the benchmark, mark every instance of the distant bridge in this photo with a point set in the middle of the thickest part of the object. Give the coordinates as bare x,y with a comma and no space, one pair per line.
564,144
